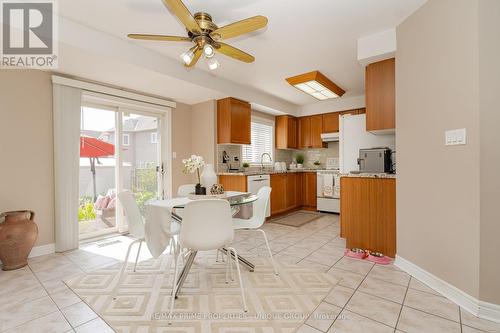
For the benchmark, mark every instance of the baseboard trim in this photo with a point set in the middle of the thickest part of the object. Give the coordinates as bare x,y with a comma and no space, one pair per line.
41,250
478,308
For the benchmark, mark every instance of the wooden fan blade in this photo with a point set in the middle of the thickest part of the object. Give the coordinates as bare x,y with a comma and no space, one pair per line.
197,54
183,14
159,37
233,52
239,28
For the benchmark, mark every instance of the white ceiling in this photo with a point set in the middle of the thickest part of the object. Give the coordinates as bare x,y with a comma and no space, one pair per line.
301,36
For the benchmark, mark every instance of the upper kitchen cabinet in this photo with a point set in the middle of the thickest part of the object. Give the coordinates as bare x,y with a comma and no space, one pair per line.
310,129
331,122
233,121
286,132
380,96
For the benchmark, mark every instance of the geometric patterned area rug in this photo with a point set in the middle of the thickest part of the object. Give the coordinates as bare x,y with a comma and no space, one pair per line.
206,303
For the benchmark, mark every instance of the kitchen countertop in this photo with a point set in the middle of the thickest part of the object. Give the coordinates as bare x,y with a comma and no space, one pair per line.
265,172
369,175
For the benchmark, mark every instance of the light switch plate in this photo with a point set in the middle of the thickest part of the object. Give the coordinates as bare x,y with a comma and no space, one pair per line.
456,137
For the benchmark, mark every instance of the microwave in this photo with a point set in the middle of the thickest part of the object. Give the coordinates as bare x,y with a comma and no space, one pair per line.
375,160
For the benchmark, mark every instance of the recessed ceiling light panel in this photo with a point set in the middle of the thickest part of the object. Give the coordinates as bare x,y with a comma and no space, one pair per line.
317,85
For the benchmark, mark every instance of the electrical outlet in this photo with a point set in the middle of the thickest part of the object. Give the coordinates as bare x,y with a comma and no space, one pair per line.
456,137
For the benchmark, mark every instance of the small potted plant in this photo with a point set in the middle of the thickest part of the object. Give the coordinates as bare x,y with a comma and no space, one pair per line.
299,158
317,164
192,165
245,165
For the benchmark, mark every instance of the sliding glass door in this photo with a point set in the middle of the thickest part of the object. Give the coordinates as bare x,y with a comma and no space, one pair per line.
120,149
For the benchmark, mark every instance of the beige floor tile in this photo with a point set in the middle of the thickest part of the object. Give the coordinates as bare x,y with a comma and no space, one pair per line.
325,258
339,295
323,317
95,326
65,298
313,265
52,323
286,258
436,305
390,291
467,329
346,279
20,288
78,314
307,329
338,242
348,322
417,285
354,265
390,275
58,268
414,321
375,308
482,324
13,315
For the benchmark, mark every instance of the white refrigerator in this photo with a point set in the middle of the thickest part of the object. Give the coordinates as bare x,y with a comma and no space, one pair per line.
353,137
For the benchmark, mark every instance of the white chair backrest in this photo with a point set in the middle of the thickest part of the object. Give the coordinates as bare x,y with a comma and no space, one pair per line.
156,215
185,190
133,214
206,225
260,206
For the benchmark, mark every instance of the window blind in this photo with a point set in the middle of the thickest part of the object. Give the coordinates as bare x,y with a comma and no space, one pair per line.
262,142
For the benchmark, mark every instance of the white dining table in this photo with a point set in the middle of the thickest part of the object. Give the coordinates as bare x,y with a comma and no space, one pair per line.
238,202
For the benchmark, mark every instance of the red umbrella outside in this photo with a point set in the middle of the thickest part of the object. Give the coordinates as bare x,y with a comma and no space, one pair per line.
93,148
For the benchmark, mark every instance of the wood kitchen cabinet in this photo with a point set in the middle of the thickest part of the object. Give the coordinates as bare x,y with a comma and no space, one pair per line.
236,183
309,190
310,129
278,197
368,213
286,130
233,121
380,96
331,122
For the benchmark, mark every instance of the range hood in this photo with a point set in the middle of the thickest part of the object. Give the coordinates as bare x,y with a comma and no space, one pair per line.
330,137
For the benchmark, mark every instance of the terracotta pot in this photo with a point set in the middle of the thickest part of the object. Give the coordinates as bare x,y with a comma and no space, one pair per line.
18,234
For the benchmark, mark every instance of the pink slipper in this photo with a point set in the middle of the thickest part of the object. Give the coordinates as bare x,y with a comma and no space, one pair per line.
355,253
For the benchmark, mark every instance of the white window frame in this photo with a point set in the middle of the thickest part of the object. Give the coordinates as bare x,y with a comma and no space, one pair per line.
265,121
154,137
126,143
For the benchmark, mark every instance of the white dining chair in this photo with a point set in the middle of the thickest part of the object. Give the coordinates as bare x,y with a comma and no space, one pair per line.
206,225
185,190
258,218
135,228
161,229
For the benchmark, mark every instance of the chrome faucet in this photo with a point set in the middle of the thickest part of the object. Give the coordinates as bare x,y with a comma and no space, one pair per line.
262,160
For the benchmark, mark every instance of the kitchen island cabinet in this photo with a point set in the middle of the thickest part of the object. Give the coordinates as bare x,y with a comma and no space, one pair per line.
368,213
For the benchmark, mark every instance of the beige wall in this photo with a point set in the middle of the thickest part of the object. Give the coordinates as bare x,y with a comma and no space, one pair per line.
438,186
489,83
26,147
203,130
181,144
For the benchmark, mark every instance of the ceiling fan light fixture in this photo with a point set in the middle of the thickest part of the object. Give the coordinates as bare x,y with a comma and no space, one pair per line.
187,56
213,64
208,50
317,85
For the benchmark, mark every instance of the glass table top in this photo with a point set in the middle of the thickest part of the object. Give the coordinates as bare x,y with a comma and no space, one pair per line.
236,200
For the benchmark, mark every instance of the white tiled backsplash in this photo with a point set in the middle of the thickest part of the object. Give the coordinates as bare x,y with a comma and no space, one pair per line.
310,155
280,155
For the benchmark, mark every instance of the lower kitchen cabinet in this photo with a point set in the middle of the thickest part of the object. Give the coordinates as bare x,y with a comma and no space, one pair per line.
236,183
278,197
368,213
309,190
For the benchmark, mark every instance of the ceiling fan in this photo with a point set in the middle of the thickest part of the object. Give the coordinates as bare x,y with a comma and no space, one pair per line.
206,35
